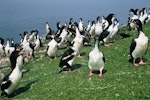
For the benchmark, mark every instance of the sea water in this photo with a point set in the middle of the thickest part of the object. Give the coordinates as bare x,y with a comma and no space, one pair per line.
17,16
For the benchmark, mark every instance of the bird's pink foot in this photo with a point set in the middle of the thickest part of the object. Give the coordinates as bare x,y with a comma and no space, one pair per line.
79,56
136,65
107,44
90,74
100,75
142,63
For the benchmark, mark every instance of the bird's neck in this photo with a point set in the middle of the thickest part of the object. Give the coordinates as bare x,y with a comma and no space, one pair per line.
97,45
141,34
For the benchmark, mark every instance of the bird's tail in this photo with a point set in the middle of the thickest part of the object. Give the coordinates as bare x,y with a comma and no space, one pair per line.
131,59
59,70
3,94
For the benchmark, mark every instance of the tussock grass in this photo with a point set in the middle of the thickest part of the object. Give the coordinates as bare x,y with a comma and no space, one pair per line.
121,80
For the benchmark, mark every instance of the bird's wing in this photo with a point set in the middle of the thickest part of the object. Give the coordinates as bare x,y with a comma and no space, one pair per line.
5,84
132,46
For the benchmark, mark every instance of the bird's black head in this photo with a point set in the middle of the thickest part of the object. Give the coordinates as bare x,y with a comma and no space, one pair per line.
57,39
58,25
93,22
1,40
138,24
81,19
76,24
25,33
131,10
109,18
98,18
71,21
18,46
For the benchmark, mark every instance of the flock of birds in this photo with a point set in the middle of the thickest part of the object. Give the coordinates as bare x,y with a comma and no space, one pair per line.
74,35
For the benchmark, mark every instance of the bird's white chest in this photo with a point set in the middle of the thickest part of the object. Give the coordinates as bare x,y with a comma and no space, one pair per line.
95,59
78,41
52,48
1,49
15,78
63,35
141,47
26,48
142,41
98,29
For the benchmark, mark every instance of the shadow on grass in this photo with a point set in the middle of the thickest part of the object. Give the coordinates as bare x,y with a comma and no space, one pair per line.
144,98
98,72
22,89
76,66
83,54
123,35
137,60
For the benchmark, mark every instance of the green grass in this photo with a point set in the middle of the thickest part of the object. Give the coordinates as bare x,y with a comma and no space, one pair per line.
121,80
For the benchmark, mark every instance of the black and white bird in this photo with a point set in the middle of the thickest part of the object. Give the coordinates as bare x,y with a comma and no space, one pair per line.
8,48
59,26
133,14
71,23
88,27
67,59
96,60
81,27
11,81
92,29
143,17
139,45
115,29
52,47
12,42
78,41
49,34
31,36
13,56
37,41
2,49
148,12
2,41
98,26
63,35
28,48
105,35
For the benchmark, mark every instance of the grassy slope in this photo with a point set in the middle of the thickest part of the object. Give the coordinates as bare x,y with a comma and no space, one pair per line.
121,80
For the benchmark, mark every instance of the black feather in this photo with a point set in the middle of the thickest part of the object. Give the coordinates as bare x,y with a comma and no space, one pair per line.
68,56
104,59
132,47
1,40
5,84
103,35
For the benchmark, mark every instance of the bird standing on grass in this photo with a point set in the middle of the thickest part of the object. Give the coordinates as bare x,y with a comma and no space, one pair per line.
11,81
107,30
52,47
8,48
14,55
96,59
98,27
67,59
139,45
78,42
28,48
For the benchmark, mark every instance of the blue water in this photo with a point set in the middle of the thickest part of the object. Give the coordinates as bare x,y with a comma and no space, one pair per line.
17,16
